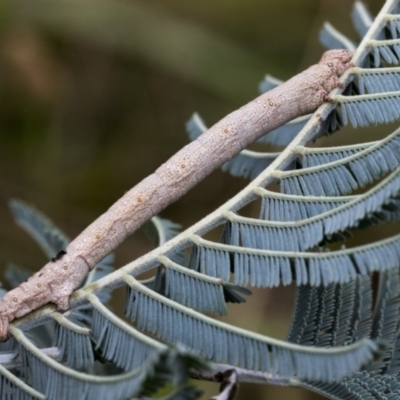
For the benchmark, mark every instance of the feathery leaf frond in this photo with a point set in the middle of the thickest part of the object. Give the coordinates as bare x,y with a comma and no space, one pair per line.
12,387
385,51
373,207
377,381
57,381
266,268
283,135
199,291
323,314
73,342
249,164
224,343
331,38
195,290
345,175
313,156
362,18
394,362
119,342
50,238
361,385
373,80
349,319
285,207
386,318
366,109
160,230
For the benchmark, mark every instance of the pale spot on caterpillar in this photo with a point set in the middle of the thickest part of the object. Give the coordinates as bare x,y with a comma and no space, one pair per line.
39,285
97,237
15,300
139,199
65,267
183,166
226,130
271,103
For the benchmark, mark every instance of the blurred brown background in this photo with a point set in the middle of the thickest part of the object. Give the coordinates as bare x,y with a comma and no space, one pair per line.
94,96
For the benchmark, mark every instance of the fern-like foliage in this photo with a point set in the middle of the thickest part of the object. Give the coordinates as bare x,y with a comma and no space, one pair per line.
348,308
337,326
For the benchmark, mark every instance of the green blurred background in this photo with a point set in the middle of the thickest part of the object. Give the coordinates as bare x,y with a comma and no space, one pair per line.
94,96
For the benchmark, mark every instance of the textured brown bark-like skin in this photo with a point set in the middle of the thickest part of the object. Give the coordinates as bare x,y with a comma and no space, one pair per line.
55,282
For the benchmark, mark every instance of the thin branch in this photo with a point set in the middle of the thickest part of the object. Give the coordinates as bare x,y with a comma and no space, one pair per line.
243,375
228,386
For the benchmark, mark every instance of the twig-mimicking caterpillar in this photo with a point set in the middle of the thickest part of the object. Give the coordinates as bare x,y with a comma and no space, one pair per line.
55,282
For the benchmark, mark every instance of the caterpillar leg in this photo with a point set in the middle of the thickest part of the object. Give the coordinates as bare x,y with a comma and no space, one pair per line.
61,299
